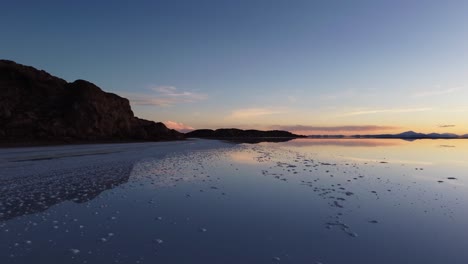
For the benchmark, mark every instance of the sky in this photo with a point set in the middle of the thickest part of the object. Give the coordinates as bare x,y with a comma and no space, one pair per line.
311,67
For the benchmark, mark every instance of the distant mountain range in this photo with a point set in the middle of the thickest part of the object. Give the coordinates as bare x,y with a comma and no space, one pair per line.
404,135
413,135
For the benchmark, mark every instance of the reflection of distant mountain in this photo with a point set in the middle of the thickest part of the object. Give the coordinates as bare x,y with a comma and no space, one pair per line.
36,193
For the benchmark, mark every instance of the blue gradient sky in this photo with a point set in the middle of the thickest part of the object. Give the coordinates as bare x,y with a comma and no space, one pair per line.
309,66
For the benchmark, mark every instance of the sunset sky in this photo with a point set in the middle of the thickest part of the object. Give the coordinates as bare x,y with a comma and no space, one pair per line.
312,67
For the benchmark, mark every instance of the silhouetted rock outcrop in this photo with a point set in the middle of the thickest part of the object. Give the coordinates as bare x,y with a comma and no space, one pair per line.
239,133
36,106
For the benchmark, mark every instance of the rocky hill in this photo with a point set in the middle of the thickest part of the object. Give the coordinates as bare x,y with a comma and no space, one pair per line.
38,107
239,133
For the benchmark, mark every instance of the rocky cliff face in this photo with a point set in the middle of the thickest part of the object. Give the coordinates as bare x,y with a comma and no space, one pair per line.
36,106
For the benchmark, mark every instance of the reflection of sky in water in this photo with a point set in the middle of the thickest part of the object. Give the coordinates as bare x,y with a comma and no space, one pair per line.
303,201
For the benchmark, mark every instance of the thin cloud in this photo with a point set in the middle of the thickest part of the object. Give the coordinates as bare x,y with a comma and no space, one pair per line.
333,128
455,110
178,126
172,92
164,96
437,92
292,99
445,126
255,112
348,93
138,99
390,111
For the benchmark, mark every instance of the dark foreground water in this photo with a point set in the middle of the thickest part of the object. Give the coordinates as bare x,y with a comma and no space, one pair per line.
200,201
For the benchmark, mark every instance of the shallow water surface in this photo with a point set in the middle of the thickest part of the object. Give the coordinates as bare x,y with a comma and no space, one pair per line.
201,201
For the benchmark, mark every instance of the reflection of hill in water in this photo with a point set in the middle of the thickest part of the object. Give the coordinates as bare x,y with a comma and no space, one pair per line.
256,140
36,193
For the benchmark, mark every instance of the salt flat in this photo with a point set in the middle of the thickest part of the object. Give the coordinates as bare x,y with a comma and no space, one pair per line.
208,201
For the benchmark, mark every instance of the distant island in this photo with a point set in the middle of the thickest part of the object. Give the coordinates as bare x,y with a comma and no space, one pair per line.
38,108
404,135
247,136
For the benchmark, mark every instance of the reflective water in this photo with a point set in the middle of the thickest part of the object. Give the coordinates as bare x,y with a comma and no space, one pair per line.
199,201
